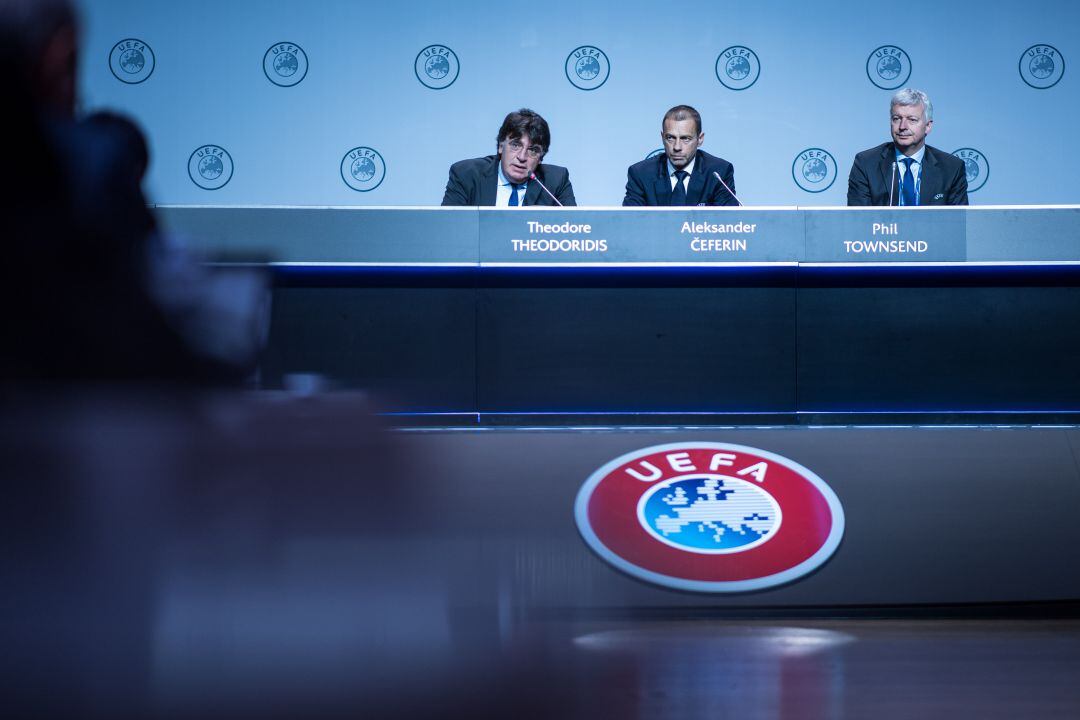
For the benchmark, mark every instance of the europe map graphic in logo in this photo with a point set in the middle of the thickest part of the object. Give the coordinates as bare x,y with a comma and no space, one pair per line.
814,170
976,167
737,67
1041,66
709,517
587,67
131,61
210,167
436,67
285,64
363,169
888,67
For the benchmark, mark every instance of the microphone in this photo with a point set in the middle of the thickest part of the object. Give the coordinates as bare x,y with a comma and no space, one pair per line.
532,176
717,175
892,182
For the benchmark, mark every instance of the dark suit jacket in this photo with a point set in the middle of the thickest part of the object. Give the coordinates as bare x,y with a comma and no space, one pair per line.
648,182
944,179
474,182
80,244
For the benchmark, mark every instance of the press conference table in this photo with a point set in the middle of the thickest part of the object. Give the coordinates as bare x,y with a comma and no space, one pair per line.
788,314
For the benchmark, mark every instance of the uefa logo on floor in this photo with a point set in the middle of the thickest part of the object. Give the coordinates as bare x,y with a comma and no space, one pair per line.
737,68
210,167
888,67
436,67
587,67
131,61
814,170
363,169
285,64
1041,66
709,517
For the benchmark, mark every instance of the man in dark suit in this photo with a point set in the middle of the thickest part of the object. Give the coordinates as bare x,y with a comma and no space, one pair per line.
683,175
514,176
907,171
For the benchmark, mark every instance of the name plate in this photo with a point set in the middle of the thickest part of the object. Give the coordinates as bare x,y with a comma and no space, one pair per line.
654,236
1047,234
285,235
886,235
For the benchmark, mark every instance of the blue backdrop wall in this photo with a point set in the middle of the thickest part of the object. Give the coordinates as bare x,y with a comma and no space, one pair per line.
338,102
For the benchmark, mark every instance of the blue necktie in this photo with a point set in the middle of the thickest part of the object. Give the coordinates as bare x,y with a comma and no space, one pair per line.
678,193
907,186
513,195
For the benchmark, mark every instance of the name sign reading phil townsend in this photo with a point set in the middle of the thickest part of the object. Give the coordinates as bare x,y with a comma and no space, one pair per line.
886,235
677,235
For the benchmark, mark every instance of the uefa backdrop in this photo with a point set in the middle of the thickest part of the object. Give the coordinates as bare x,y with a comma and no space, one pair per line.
341,102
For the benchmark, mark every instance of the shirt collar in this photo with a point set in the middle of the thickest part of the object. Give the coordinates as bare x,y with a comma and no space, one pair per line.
689,167
917,157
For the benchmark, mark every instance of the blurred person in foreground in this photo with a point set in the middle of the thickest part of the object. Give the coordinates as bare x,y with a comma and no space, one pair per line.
92,290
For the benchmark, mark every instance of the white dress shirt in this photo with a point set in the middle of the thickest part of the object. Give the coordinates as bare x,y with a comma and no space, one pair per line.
689,169
502,193
916,169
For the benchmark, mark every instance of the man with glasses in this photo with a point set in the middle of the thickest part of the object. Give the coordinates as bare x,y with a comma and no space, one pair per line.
514,176
907,171
683,175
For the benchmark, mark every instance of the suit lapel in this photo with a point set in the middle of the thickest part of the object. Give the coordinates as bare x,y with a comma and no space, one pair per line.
889,176
929,178
489,183
662,184
697,182
533,191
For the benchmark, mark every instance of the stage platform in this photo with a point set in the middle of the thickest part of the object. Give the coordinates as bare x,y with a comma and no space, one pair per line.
438,313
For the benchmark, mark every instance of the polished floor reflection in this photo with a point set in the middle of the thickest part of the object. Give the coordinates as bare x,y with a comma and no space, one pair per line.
852,668
225,556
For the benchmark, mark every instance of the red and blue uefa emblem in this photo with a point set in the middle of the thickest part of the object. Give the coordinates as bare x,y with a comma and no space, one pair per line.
709,517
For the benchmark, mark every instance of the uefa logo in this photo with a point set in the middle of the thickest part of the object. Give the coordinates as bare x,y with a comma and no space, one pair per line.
737,68
210,167
363,169
587,68
978,169
709,517
888,67
285,64
814,170
1041,66
436,67
654,153
131,61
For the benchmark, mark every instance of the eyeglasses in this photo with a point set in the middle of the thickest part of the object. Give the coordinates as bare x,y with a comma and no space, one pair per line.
534,151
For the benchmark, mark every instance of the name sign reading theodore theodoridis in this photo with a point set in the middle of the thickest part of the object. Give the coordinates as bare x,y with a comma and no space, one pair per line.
886,235
633,235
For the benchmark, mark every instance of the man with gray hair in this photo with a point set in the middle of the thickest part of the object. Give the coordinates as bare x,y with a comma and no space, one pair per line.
907,171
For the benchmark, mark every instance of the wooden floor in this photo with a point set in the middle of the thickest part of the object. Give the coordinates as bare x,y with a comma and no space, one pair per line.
227,559
846,668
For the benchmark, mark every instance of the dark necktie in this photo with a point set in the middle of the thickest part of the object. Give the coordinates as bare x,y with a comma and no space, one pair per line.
678,194
907,187
513,195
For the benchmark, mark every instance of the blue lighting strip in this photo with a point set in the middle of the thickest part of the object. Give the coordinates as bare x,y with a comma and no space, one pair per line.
722,413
